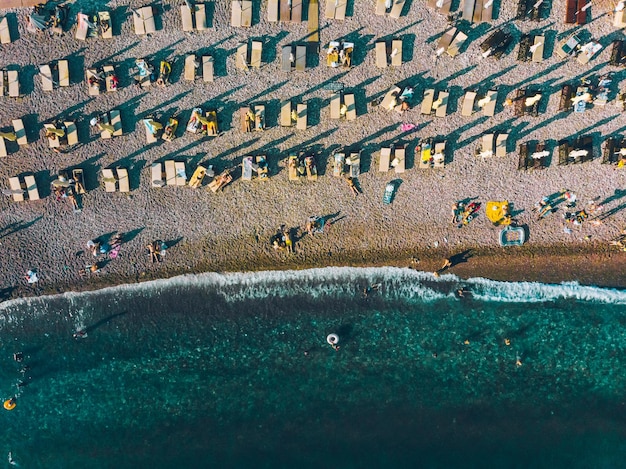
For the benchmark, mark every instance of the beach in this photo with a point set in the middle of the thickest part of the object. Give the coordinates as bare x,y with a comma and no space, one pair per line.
230,230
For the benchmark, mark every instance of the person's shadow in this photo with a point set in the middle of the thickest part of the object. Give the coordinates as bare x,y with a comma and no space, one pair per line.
460,257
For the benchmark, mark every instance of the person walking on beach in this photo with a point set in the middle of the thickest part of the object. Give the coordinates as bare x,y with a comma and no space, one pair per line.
447,263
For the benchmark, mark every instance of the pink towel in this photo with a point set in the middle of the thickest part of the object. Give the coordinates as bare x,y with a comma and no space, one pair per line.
406,126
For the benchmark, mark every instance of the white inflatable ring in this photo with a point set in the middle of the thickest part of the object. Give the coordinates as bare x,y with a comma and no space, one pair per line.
332,339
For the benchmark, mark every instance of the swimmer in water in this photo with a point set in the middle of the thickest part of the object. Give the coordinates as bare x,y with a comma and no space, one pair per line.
12,461
372,288
463,292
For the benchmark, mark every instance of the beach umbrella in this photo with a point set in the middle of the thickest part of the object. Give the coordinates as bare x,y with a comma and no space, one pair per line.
10,192
10,136
61,182
38,21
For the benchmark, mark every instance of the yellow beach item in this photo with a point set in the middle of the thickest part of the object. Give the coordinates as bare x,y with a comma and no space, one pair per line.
498,212
10,404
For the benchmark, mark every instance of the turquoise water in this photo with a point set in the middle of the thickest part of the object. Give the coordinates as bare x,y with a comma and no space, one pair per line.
234,370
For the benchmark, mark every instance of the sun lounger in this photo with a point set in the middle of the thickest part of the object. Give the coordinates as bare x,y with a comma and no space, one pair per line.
147,18
105,19
150,136
445,40
425,154
385,156
201,24
53,142
335,105
3,147
313,28
348,100
468,10
399,160
109,180
246,168
300,57
302,117
468,103
116,122
16,189
381,9
20,132
241,13
538,48
439,157
389,101
272,11
336,9
94,90
311,168
487,10
287,54
570,11
109,74
64,73
354,164
441,104
3,90
181,174
78,177
241,60
396,53
157,175
185,13
523,157
207,68
486,150
31,187
46,77
456,44
339,162
190,67
396,9
256,53
285,114
296,11
381,54
170,172
82,26
285,11
197,177
490,108
501,145
14,84
123,182
5,32
427,102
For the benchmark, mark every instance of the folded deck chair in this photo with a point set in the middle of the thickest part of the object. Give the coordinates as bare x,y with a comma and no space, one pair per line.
285,11
241,13
14,83
64,73
426,153
54,141
20,132
16,189
293,168
302,117
46,77
296,11
354,163
105,19
456,44
185,13
381,54
286,62
157,175
190,67
272,11
256,53
501,145
338,164
109,180
109,74
399,160
427,102
148,19
181,174
82,26
285,114
122,179
385,156
246,168
5,32
468,103
445,41
300,57
468,10
396,53
197,177
207,68
170,172
348,100
439,157
335,106
489,109
537,48
94,90
486,150
389,101
241,60
441,104
396,9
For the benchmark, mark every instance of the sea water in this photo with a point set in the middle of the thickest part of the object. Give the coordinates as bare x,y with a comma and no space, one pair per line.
234,370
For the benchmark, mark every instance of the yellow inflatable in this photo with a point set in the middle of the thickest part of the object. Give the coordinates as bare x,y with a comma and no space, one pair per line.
498,212
9,404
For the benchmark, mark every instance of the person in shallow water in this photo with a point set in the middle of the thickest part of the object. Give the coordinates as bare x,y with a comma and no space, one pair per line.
18,356
372,288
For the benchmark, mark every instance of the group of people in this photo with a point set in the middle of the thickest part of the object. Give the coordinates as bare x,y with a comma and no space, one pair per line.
620,241
66,191
157,250
463,213
282,239
97,247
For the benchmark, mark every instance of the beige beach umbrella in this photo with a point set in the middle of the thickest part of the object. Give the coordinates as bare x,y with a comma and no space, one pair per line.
10,136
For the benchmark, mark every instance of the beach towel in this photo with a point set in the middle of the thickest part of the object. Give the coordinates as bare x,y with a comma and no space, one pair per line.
406,126
115,250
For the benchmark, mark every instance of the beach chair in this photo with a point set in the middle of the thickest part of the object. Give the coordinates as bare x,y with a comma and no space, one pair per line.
489,109
354,164
94,89
570,11
190,67
389,101
170,172
441,105
292,165
14,83
445,40
442,6
399,160
287,54
285,114
20,132
46,77
109,180
524,153
487,10
146,17
302,117
396,53
201,24
197,177
116,122
336,9
3,85
439,158
385,156
381,54
207,68
78,177
5,32
285,11
82,26
106,28
71,133
425,154
456,44
123,182
468,10
537,49
619,19
157,175
427,102
256,53
300,57
272,11
241,60
64,73
109,75
524,48
311,168
181,174
241,13
335,106
296,11
262,168
54,141
212,129
468,103
348,100
185,13
17,191
169,135
501,145
259,117
486,149
31,187
339,162
246,168
247,119
396,9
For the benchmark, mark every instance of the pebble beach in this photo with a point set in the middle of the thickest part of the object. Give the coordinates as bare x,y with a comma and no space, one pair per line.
230,230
